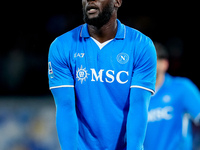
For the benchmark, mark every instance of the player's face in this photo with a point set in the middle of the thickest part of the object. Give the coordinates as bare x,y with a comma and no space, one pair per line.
97,12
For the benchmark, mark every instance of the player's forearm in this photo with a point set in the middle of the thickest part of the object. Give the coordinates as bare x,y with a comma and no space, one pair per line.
66,119
137,118
136,131
66,123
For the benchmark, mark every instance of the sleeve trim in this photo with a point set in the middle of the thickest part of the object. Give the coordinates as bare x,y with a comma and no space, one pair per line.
141,87
61,86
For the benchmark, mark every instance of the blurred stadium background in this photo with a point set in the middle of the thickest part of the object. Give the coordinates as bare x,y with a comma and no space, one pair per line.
27,111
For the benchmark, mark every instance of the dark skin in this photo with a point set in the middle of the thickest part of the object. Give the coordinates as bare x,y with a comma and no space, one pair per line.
107,31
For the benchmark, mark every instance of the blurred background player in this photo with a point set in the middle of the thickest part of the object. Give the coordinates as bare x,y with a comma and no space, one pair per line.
175,103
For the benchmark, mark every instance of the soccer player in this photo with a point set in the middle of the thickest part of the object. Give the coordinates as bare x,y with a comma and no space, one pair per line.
102,75
175,103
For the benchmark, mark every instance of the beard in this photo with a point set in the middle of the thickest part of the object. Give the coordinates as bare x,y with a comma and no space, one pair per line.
101,19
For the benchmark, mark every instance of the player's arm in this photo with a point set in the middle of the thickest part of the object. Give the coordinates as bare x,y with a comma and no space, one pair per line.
137,118
66,119
62,87
142,86
191,100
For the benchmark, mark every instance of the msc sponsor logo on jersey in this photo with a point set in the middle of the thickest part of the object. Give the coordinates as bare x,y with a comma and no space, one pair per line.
160,113
82,74
97,76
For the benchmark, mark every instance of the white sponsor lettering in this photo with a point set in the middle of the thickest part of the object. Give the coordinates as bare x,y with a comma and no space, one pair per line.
94,74
160,113
118,77
110,76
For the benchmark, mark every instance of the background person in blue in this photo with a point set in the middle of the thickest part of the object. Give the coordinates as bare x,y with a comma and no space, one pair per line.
175,103
102,75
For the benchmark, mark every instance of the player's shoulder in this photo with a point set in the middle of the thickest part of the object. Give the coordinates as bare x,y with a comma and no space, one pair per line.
70,36
181,80
183,83
137,36
141,44
64,42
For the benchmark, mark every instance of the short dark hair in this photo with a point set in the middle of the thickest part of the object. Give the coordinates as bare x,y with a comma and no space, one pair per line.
161,50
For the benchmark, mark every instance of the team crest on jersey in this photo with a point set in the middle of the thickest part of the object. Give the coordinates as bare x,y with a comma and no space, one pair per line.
122,58
82,74
166,98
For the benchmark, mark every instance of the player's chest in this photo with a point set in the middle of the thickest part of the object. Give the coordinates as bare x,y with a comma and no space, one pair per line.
112,63
166,96
113,55
164,105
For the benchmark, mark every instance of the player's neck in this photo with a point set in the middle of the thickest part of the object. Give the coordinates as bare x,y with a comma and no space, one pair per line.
160,80
104,33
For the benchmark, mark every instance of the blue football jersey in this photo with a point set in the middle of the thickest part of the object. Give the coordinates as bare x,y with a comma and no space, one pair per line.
170,111
102,79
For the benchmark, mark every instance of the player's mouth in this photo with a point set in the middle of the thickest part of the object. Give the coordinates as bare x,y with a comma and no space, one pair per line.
91,9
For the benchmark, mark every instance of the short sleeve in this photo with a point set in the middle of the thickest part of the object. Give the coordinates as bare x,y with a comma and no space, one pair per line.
191,99
144,71
58,68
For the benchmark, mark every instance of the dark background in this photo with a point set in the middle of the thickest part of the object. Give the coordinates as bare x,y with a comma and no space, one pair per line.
29,28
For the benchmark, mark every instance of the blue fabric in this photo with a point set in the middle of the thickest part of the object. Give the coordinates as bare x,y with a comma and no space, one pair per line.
138,111
169,127
66,118
102,81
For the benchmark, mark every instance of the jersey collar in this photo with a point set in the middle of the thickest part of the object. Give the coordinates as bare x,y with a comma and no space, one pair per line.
121,31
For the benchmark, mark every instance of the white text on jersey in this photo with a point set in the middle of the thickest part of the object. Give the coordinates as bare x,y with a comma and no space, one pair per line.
160,113
108,76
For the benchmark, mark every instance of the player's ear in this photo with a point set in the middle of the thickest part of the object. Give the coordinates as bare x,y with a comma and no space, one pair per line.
118,3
